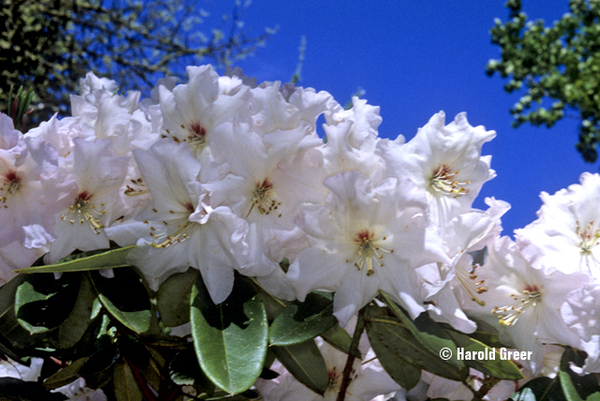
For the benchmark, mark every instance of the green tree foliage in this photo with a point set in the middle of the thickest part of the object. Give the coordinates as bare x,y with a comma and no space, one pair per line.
559,66
51,44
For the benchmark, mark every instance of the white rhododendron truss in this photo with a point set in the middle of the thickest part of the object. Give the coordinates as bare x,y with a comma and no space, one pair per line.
213,239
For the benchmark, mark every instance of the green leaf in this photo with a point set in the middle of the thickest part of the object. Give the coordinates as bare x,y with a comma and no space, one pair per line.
125,298
73,328
19,390
305,362
184,370
574,386
432,336
399,369
497,367
12,333
43,303
84,261
65,376
230,339
302,321
525,394
173,298
399,340
568,388
487,335
540,389
100,361
339,339
594,397
126,388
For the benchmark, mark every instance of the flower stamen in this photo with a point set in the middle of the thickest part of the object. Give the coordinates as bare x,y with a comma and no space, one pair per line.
589,237
264,199
470,282
136,188
174,231
443,181
82,211
509,314
368,251
196,138
12,183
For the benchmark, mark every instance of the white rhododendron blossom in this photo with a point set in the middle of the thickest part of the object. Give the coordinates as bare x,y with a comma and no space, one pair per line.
525,302
235,179
180,228
566,236
95,204
365,238
445,162
32,189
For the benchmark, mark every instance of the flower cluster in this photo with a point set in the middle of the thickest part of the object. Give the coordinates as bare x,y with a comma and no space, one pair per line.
232,178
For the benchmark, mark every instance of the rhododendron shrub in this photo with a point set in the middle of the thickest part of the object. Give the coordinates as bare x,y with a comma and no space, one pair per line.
213,242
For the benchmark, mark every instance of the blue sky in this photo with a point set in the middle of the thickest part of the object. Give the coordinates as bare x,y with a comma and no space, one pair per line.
413,59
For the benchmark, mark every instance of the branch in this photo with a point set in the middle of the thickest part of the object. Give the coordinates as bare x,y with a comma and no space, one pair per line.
360,325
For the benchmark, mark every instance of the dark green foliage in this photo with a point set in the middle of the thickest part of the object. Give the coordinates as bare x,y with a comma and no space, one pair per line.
116,334
558,66
51,44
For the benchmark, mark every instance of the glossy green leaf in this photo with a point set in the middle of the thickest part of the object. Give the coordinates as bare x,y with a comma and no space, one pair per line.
574,386
125,386
66,375
10,329
524,394
433,337
398,339
173,298
73,328
43,303
305,362
85,261
125,298
19,390
184,370
100,361
230,339
497,367
540,389
339,339
594,397
399,369
302,321
487,334
568,388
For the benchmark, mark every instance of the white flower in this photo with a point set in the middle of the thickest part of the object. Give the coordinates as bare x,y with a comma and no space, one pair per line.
190,111
77,391
445,162
352,140
31,373
525,302
445,286
16,256
581,311
61,132
365,238
269,181
8,134
566,236
181,229
95,204
32,190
